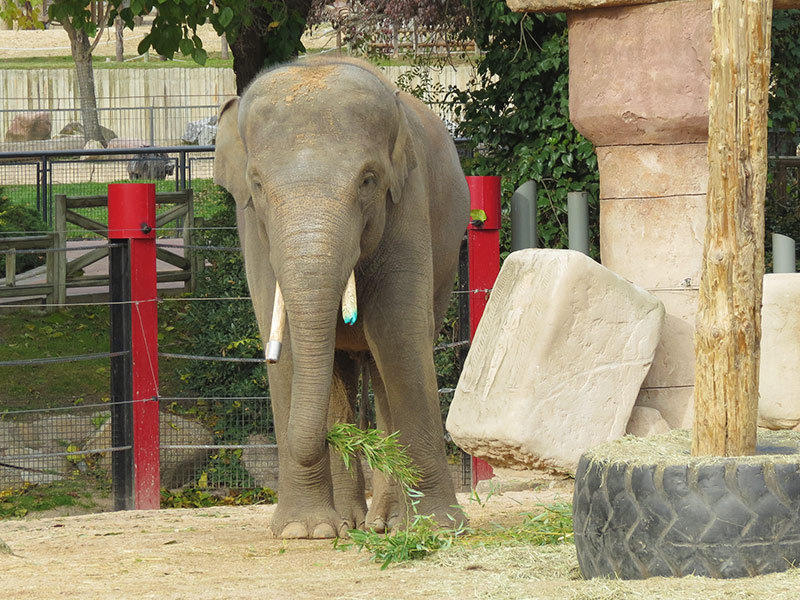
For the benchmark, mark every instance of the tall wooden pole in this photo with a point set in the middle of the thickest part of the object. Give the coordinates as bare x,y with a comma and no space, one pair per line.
729,318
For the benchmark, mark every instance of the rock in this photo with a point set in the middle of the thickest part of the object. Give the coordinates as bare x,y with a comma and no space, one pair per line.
181,465
262,463
779,377
178,465
75,129
92,145
675,404
21,464
646,422
56,433
30,126
153,165
202,132
556,363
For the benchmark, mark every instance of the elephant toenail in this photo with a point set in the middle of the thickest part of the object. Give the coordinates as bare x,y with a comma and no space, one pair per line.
294,530
322,531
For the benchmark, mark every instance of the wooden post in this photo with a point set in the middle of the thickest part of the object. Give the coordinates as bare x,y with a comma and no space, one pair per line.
729,319
60,264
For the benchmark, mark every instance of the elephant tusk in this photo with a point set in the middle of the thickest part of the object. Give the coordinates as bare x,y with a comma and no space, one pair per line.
349,304
278,325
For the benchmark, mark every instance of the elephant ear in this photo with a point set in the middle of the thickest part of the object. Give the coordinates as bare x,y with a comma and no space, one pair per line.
403,158
230,157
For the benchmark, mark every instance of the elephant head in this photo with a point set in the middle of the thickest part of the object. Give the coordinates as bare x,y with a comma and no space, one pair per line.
317,156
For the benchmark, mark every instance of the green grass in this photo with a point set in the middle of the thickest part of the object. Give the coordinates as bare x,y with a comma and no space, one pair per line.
25,195
29,334
99,62
72,492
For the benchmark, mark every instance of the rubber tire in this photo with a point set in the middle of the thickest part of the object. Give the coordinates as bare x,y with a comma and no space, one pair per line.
725,518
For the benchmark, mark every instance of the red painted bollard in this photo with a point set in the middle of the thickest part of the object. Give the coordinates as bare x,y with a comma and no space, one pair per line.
483,237
131,223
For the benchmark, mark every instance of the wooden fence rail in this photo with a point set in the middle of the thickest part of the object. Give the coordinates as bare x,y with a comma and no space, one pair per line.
62,273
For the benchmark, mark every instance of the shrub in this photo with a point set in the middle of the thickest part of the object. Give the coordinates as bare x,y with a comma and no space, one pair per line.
15,221
225,328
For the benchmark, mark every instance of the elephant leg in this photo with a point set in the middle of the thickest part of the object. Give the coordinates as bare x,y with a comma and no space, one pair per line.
348,486
406,367
305,506
388,508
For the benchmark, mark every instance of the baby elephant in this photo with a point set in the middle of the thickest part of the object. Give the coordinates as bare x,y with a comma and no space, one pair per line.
345,184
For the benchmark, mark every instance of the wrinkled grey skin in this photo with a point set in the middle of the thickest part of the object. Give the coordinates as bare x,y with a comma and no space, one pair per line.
332,170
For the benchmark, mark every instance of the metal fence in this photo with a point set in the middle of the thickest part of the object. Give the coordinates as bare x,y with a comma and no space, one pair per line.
212,442
146,123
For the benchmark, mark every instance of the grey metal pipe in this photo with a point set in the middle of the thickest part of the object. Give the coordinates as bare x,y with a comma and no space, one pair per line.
783,254
523,217
578,221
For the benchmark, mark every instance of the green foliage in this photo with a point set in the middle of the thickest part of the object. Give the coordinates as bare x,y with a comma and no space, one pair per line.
15,221
71,492
421,538
518,116
382,452
784,105
197,498
31,334
175,25
224,328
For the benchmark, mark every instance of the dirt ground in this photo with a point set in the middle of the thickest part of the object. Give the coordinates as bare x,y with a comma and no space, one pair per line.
228,553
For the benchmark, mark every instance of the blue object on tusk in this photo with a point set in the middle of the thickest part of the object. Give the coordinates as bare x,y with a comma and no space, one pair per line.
351,319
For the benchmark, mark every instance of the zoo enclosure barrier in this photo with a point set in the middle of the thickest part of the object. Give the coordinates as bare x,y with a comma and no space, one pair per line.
177,453
61,273
34,178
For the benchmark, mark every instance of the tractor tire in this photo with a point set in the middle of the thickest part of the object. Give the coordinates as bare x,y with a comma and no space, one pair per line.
683,515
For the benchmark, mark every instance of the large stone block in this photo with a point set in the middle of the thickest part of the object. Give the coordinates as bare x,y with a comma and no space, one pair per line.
676,404
556,363
183,448
646,422
654,242
673,364
653,171
30,126
779,378
640,74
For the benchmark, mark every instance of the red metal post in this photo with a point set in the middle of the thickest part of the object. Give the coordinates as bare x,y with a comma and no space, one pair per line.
483,237
132,217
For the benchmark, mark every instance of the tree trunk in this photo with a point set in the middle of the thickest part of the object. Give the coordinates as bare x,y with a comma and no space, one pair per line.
729,318
119,28
223,47
251,53
82,55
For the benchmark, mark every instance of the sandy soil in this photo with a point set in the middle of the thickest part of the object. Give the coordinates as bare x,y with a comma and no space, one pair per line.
228,553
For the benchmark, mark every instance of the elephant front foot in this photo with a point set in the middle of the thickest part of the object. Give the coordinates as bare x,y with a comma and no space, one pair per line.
389,508
314,524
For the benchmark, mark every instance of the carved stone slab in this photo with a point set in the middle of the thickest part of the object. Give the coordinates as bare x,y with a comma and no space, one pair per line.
556,363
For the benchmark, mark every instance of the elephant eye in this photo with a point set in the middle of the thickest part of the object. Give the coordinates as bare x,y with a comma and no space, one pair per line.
369,181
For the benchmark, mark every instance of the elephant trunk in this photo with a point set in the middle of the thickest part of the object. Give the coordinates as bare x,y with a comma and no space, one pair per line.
312,280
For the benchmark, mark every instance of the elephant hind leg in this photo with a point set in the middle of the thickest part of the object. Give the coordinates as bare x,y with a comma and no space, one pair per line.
389,508
348,486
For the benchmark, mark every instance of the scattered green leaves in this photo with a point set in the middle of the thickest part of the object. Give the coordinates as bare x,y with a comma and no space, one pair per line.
383,453
197,498
422,537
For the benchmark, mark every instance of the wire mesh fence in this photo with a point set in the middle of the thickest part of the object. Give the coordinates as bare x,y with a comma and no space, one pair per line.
211,441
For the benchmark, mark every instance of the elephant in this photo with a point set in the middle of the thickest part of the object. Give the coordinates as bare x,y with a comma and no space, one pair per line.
343,182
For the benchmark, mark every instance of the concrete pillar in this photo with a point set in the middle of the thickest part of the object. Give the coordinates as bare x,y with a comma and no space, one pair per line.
639,80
